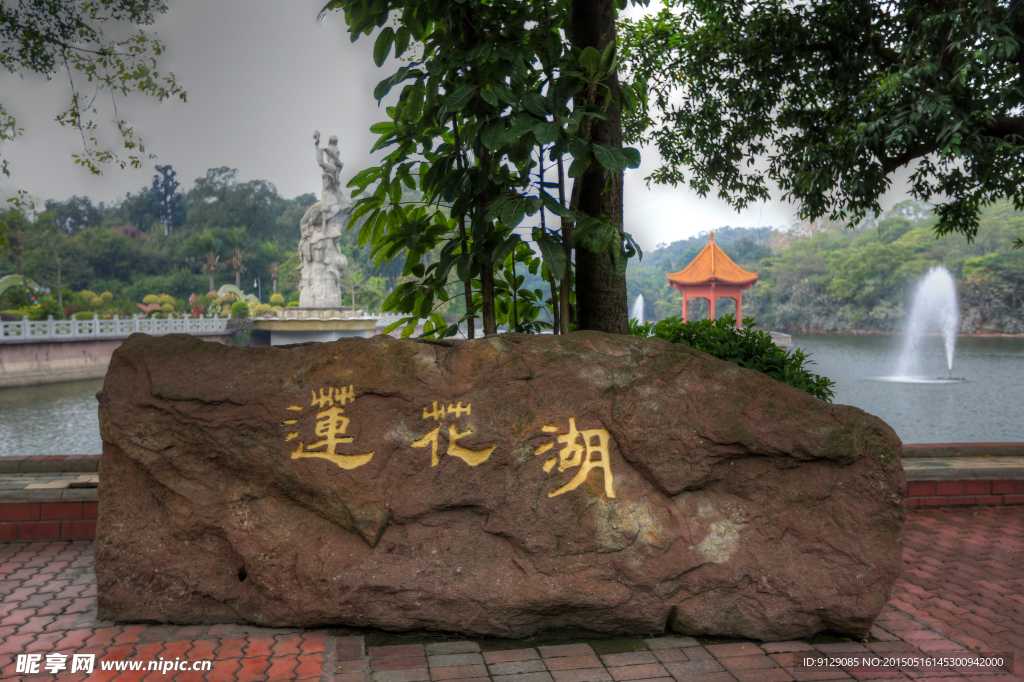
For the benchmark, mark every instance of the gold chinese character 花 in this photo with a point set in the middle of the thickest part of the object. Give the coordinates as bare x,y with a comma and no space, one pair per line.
471,457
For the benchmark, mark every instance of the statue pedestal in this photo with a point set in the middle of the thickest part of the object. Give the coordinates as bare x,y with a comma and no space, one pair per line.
302,325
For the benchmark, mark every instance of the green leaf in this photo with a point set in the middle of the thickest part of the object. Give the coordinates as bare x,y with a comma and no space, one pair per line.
608,60
553,253
579,166
489,97
458,100
632,157
590,61
382,46
610,157
493,134
505,248
382,127
546,132
537,104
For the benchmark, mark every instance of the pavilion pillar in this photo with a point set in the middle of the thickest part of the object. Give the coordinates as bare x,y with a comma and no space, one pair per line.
711,303
739,308
686,300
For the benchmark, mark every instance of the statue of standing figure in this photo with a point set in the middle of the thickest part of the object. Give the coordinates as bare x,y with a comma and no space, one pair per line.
321,260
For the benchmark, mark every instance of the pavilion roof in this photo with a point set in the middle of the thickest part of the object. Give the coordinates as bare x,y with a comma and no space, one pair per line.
712,265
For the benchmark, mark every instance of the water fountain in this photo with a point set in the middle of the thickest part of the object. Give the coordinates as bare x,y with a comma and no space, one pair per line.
638,309
933,313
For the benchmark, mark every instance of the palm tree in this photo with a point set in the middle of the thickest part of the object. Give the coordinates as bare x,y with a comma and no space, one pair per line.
211,265
208,247
272,254
239,252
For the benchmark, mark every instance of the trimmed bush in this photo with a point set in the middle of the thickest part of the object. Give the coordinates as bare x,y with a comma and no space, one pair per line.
262,309
166,299
239,310
151,299
276,299
84,315
743,346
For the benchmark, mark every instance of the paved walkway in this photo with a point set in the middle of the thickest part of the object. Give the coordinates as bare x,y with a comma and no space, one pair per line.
962,589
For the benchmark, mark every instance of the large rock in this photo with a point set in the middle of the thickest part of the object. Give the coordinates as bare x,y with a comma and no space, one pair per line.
491,487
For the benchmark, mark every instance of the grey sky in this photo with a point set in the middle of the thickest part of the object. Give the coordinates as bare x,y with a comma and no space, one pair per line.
261,76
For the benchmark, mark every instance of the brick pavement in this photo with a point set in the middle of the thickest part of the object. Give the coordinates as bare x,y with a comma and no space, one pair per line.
958,560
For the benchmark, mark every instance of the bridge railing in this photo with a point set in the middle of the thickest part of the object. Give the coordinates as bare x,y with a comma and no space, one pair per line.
27,331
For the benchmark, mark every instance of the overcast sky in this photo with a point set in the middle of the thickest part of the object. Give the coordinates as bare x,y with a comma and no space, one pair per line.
261,76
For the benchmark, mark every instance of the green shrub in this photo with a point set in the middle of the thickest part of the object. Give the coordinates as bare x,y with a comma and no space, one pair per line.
744,347
84,315
165,299
293,304
276,299
262,309
150,299
239,310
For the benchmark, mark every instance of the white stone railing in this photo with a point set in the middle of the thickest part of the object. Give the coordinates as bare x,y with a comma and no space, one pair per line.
27,331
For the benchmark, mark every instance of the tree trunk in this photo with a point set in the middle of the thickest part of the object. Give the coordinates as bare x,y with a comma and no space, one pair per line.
211,282
600,293
238,279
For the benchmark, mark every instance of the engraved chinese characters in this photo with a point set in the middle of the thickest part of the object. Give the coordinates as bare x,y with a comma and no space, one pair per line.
471,457
331,426
577,454
585,450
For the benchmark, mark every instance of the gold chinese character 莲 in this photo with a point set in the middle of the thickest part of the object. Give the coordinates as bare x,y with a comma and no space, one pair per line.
578,450
471,457
331,425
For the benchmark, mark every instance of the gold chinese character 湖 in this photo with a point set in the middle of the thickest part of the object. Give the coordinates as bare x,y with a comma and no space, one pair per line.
579,448
331,426
471,457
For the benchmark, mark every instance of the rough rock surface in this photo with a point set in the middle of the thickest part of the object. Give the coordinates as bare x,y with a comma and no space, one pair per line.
406,484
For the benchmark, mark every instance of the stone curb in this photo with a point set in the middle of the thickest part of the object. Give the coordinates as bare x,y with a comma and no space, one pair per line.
943,450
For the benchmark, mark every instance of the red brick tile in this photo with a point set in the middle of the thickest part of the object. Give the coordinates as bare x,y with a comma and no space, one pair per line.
574,662
671,655
707,677
282,668
700,667
397,650
398,662
180,649
638,672
78,530
739,649
977,487
231,648
8,532
1013,499
989,499
202,649
59,511
357,666
630,658
90,510
253,669
782,647
310,665
223,670
259,646
581,675
410,675
510,655
533,665
39,530
20,511
949,487
458,672
565,650
286,645
961,500
349,677
932,501
920,488
813,674
734,663
762,675
1006,487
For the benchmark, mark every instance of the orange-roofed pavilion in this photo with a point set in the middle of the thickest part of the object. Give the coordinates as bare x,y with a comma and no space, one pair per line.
712,275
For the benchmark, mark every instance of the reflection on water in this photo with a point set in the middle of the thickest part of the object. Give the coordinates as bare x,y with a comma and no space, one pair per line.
984,406
60,419
53,419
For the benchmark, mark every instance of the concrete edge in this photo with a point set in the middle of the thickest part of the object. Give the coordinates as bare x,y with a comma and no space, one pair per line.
50,495
54,465
944,450
1001,474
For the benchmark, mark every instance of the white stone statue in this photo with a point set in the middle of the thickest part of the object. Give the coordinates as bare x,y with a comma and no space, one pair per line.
321,260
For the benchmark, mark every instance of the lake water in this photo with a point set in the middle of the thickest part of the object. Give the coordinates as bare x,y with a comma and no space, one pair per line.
988,406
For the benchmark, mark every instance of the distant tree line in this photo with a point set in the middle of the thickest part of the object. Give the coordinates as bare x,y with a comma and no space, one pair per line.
163,240
823,276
